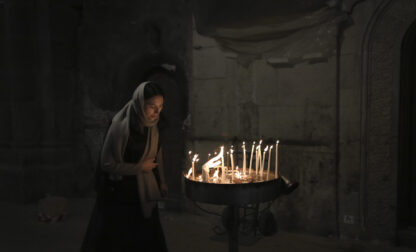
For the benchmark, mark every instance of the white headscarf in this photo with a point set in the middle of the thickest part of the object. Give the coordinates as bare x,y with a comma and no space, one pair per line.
149,191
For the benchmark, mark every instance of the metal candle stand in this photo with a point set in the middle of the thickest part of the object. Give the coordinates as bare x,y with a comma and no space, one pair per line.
235,196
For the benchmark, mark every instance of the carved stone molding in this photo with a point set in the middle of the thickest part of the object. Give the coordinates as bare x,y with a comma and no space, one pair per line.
381,82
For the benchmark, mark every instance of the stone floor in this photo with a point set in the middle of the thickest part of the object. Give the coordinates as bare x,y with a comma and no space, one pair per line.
21,231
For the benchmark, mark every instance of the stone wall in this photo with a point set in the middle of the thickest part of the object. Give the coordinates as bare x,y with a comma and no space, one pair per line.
351,193
68,66
40,105
123,44
231,103
337,120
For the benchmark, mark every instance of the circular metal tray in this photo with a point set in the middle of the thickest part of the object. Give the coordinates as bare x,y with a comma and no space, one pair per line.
233,194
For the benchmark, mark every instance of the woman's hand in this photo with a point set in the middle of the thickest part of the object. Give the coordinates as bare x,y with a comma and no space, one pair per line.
148,165
164,189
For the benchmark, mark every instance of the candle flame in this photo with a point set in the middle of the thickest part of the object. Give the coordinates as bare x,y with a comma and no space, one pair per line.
267,147
277,142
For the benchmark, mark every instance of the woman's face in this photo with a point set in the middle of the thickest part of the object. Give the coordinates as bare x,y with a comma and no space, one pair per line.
152,107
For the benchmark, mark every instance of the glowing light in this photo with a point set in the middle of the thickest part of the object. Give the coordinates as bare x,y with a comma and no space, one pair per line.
228,171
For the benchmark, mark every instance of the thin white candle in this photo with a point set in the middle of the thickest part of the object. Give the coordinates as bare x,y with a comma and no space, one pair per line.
251,158
193,170
232,159
276,162
259,150
222,164
262,163
193,165
268,161
244,158
227,161
257,158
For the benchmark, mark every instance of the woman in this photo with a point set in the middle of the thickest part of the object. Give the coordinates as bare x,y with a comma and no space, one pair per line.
130,179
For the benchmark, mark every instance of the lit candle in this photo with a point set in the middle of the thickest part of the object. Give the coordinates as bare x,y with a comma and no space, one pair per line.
193,166
251,158
222,164
258,157
190,155
259,154
262,163
268,163
276,163
228,161
244,158
193,170
232,159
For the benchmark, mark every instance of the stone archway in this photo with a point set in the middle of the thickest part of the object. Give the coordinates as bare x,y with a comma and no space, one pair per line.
406,207
381,52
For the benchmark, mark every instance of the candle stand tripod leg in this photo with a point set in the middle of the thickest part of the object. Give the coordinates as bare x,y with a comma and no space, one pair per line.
233,229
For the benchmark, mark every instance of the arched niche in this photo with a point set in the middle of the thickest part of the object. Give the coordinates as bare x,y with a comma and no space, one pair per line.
406,187
381,74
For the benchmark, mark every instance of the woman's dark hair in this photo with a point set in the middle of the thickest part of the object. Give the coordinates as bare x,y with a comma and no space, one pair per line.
152,89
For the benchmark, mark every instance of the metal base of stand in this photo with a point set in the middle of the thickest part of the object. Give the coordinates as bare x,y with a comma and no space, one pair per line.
233,229
233,195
